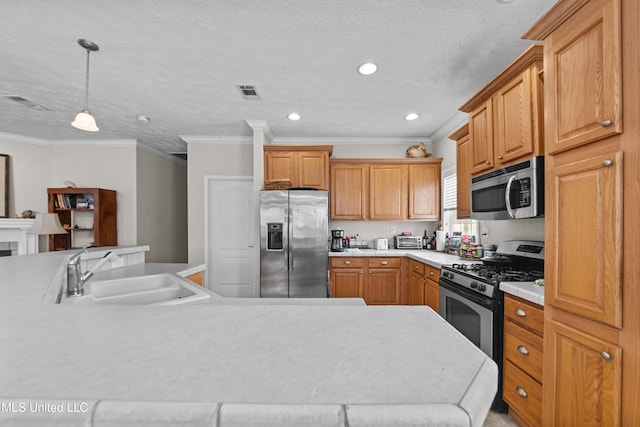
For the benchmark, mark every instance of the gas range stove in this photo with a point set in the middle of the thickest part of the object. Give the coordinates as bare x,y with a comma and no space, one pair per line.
519,261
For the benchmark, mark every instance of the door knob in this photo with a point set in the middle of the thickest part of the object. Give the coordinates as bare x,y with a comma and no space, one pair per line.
606,123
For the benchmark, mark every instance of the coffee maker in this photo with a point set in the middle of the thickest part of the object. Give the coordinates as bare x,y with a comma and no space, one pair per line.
337,240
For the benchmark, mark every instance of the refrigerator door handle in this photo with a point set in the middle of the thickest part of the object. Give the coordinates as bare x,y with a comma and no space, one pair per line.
290,223
287,229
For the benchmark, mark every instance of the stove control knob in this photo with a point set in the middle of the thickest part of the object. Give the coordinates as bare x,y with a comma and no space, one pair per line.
474,285
481,288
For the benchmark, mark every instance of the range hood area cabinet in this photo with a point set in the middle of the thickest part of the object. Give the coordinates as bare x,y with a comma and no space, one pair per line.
303,165
463,171
385,189
506,116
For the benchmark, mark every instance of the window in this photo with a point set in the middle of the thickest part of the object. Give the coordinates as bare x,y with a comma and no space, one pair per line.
450,222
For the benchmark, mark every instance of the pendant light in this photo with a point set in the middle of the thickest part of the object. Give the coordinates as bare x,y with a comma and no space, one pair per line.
84,120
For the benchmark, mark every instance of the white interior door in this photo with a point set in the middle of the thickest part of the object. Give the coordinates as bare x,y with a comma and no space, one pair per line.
229,235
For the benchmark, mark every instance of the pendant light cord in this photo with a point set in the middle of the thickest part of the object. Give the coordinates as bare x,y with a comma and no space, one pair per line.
86,89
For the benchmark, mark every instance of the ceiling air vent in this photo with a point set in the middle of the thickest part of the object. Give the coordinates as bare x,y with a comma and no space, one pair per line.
248,91
27,103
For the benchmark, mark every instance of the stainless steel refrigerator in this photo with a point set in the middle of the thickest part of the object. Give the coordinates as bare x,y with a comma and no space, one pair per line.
293,244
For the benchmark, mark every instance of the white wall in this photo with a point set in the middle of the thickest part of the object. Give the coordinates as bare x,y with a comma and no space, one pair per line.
210,158
111,168
162,206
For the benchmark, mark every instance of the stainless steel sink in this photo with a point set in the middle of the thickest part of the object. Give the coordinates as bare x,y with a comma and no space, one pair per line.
157,289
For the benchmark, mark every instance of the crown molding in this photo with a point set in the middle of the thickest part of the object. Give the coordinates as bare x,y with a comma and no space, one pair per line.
264,127
451,125
354,140
210,139
12,137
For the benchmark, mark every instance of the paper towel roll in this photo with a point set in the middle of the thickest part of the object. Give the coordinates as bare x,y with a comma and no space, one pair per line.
440,236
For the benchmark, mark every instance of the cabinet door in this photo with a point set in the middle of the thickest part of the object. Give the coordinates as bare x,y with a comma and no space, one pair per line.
584,238
424,192
432,297
463,178
481,136
281,165
388,192
417,288
583,87
347,283
349,192
514,120
383,286
313,169
582,379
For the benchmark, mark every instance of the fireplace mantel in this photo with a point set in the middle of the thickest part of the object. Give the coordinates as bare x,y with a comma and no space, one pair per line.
15,230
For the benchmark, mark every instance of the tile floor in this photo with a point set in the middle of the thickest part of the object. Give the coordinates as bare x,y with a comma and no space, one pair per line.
495,419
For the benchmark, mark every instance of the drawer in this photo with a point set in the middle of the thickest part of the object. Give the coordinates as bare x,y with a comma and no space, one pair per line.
416,267
524,349
524,313
346,262
523,394
384,262
432,273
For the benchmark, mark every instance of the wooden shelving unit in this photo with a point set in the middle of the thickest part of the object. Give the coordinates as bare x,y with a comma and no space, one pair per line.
88,214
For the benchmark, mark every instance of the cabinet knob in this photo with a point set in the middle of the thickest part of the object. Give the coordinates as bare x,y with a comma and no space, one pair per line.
521,313
607,163
347,263
369,271
500,157
524,350
384,263
431,273
606,356
522,392
416,267
606,123
488,162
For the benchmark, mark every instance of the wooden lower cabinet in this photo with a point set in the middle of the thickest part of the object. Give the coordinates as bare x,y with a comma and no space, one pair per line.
196,278
522,379
383,282
347,277
425,289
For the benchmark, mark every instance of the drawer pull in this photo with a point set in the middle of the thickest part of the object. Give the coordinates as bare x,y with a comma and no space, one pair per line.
522,392
431,273
416,267
384,263
500,157
606,356
606,123
521,313
607,163
487,162
524,350
347,263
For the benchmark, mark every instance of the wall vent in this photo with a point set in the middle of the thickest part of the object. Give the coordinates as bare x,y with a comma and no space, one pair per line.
248,92
27,103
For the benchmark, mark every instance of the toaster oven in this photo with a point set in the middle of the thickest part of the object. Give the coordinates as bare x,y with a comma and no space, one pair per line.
408,242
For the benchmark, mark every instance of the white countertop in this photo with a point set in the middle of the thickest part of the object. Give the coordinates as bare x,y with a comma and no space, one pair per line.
525,290
433,258
279,364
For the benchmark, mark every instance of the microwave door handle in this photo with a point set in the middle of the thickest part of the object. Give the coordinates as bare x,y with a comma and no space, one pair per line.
507,200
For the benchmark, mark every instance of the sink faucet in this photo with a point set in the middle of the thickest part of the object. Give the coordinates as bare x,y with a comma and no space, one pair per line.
76,279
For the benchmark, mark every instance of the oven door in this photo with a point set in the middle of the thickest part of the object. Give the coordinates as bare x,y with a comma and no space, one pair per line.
470,313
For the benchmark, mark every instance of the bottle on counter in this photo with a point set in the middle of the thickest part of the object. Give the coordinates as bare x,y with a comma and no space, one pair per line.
424,240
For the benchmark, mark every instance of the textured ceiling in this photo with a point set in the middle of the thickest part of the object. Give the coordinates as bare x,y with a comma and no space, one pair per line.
178,62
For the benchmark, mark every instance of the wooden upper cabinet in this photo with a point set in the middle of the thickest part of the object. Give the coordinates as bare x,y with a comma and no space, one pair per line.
583,77
388,193
506,116
303,165
583,261
424,192
463,171
349,192
385,189
481,135
518,117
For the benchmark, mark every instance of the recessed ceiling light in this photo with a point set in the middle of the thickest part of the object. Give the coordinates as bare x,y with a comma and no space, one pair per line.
367,68
294,116
411,116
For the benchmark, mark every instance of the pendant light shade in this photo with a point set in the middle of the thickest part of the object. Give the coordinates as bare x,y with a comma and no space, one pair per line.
84,120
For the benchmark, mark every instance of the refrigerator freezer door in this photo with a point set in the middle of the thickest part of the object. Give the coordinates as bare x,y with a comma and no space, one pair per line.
308,231
273,253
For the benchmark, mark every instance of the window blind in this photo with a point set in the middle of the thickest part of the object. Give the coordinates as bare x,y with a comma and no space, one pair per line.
450,192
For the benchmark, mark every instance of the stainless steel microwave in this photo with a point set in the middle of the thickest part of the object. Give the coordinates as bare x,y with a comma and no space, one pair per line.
515,191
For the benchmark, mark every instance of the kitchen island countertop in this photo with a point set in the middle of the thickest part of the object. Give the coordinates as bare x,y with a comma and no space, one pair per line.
223,365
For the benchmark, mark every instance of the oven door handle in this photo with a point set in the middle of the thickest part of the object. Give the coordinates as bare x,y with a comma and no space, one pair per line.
470,295
507,194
